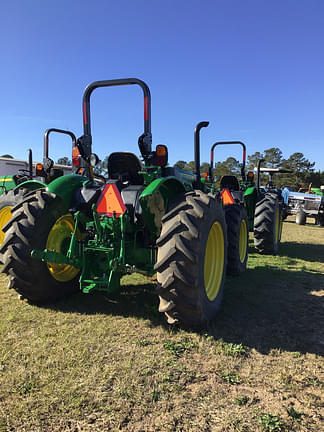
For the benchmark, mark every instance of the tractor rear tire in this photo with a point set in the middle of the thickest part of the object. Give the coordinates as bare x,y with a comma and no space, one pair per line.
237,239
7,201
31,223
267,225
191,259
300,217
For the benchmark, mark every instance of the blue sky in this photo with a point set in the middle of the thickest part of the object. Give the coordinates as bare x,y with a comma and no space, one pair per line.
253,68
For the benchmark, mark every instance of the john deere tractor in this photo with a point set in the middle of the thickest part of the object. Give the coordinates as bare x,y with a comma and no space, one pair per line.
13,188
231,192
81,234
266,210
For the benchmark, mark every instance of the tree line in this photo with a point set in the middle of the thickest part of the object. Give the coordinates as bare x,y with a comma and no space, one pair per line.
302,170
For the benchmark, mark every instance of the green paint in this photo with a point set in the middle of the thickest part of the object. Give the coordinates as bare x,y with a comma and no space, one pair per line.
31,185
155,200
7,183
250,199
317,191
65,186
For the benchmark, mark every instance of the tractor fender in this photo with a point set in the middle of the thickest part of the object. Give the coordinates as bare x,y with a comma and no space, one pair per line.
31,185
65,187
155,200
250,199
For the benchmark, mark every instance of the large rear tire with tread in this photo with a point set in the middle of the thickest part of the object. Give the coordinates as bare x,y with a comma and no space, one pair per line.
8,200
237,238
191,259
40,217
267,224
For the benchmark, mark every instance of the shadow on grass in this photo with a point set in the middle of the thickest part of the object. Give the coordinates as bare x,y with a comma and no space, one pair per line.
305,251
265,308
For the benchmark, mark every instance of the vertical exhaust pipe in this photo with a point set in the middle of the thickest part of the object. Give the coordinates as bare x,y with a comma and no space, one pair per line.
258,174
199,126
30,163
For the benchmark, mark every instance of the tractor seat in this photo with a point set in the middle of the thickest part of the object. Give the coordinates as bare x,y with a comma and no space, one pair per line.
125,167
229,182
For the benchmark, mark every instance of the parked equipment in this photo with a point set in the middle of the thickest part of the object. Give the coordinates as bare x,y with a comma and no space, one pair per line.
236,216
82,234
305,205
266,210
14,187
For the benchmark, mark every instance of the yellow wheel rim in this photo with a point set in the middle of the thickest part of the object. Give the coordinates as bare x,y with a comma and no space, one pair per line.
58,240
280,228
5,216
214,261
277,226
243,240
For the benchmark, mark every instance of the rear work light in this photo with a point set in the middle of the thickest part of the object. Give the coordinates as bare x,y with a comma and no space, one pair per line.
161,153
76,157
39,170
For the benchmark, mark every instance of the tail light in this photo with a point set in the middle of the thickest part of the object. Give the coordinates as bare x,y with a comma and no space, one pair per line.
204,177
250,176
39,170
161,153
76,157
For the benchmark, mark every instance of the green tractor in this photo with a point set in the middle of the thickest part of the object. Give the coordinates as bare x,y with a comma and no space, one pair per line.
82,234
235,213
266,210
13,188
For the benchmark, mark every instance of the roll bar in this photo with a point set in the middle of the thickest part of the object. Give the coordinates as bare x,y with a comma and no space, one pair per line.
47,162
144,141
199,126
225,143
62,131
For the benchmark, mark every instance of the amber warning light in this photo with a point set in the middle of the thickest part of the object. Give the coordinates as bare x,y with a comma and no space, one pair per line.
76,157
39,169
110,202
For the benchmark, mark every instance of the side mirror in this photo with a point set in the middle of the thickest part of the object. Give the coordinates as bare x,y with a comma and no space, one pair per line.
47,164
94,159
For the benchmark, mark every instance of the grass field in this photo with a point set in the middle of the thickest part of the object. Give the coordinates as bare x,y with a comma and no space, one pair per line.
92,363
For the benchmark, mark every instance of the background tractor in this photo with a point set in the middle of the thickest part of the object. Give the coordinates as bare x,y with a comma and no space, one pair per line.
82,234
307,202
266,210
236,217
13,188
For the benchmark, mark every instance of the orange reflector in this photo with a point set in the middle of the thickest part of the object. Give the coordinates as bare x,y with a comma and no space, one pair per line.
110,201
227,197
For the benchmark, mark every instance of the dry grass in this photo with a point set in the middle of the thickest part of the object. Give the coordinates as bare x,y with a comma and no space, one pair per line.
96,364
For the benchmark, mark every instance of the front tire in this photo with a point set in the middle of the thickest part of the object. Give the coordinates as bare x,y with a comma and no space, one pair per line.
191,259
33,226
